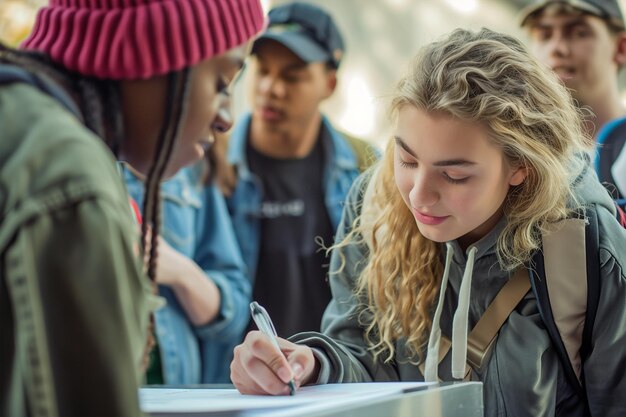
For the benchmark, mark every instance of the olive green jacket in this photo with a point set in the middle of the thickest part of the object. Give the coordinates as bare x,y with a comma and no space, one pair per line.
74,303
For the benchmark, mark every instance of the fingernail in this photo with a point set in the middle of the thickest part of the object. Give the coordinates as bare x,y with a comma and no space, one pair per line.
284,374
297,370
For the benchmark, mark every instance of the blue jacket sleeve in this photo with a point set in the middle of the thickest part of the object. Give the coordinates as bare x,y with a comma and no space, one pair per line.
217,253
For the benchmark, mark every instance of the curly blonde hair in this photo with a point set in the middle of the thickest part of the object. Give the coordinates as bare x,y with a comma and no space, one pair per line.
485,77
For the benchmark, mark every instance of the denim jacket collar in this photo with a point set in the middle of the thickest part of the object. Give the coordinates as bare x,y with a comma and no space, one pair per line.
339,152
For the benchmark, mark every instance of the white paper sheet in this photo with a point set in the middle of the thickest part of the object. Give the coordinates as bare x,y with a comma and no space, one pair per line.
205,401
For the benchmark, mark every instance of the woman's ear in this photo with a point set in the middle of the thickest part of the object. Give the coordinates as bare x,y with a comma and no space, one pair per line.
518,176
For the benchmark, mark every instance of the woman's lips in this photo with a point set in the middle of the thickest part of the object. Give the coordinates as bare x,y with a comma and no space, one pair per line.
428,219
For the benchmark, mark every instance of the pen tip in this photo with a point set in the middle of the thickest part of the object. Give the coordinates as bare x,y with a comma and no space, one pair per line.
292,388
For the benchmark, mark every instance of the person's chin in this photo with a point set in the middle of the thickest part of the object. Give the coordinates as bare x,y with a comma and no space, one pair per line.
177,163
434,233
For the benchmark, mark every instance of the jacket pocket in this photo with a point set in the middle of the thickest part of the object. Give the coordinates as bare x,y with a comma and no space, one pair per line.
180,210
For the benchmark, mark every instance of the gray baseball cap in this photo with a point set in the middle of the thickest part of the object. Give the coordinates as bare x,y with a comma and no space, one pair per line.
605,9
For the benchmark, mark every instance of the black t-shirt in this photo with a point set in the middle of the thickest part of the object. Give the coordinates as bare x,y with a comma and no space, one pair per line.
291,277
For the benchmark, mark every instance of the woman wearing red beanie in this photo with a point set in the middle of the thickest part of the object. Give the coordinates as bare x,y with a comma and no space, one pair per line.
146,78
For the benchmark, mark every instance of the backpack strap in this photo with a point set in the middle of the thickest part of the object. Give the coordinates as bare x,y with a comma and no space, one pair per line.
12,74
592,245
565,266
565,280
481,338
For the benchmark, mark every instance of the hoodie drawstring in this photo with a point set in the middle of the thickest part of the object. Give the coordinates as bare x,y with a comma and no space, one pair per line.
432,355
459,324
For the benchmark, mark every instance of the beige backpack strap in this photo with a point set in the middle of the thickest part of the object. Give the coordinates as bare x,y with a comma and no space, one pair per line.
565,263
480,339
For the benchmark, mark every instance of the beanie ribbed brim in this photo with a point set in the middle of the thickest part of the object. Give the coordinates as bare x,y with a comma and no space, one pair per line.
138,39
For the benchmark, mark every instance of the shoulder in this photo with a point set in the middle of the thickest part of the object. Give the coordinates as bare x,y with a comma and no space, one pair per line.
360,186
616,128
366,154
45,148
363,153
361,193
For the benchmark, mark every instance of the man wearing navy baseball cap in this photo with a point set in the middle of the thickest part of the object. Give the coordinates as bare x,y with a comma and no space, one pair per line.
584,42
307,31
294,168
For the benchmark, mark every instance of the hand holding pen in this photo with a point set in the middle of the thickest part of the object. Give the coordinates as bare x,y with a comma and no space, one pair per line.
266,364
264,323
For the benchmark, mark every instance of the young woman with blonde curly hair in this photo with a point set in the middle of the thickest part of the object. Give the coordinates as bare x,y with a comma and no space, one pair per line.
487,156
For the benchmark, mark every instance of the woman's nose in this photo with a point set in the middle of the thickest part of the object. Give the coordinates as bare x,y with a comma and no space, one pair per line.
423,192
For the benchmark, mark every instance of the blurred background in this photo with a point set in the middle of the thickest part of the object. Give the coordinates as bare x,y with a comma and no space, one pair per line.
381,36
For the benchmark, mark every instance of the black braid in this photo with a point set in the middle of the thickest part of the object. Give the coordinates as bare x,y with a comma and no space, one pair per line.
113,116
91,103
35,62
178,86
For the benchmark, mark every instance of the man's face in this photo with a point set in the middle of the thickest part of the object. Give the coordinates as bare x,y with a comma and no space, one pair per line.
286,92
579,48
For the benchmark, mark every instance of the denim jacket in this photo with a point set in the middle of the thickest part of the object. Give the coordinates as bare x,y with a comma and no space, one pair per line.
244,205
196,223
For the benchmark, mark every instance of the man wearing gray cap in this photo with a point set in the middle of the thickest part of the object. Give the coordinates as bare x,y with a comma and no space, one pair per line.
294,168
584,42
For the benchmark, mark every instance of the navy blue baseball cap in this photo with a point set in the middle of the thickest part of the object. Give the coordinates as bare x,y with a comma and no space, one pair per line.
307,31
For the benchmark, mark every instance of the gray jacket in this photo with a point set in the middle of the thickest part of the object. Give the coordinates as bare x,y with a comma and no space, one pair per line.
523,375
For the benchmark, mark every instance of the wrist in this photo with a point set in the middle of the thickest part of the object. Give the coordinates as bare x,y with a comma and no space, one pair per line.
181,273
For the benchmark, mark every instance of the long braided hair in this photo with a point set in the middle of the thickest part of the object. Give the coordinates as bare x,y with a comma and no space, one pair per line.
99,101
176,101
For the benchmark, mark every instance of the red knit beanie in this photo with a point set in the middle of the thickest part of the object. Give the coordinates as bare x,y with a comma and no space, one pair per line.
131,39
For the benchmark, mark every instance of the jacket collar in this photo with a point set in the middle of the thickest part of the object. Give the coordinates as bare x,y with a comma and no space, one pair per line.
337,150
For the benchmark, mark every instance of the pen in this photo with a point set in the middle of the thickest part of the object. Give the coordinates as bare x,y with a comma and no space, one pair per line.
265,325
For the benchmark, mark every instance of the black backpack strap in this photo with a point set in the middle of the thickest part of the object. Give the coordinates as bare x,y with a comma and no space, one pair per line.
592,244
12,73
